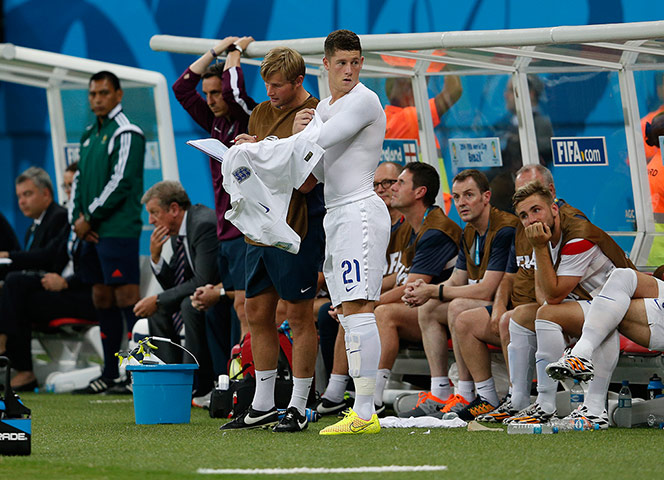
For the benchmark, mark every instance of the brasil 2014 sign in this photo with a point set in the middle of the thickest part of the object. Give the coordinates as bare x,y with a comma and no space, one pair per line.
579,151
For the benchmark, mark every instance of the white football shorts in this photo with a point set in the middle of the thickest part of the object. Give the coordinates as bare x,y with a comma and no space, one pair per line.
356,238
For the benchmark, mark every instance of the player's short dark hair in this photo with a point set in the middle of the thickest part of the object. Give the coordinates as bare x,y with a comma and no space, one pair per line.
655,129
344,40
72,167
424,175
480,179
530,189
106,75
167,192
215,70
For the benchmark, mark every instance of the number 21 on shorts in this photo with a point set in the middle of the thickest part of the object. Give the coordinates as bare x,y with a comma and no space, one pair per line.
351,273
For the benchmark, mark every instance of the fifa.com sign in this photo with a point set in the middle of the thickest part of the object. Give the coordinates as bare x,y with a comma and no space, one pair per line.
579,151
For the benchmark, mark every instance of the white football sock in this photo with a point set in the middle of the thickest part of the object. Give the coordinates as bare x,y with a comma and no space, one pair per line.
606,311
363,352
550,347
487,390
264,395
336,387
605,359
521,354
301,389
440,387
381,380
467,390
364,405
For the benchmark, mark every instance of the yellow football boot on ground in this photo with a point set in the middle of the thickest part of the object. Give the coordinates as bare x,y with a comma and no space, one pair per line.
351,424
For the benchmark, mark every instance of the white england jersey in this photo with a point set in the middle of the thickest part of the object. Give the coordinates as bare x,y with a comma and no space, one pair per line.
582,258
357,223
352,137
260,178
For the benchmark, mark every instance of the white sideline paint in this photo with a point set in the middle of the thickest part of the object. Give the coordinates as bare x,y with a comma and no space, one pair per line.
282,471
124,400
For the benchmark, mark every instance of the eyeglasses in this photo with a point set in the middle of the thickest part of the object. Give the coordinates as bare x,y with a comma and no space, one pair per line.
387,183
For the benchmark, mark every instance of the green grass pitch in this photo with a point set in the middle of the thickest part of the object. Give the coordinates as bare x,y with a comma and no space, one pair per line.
95,437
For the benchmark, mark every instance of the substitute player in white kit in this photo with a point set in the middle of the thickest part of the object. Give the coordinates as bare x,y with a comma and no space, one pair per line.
357,224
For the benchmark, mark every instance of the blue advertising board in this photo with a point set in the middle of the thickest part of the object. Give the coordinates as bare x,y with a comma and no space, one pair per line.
399,151
579,151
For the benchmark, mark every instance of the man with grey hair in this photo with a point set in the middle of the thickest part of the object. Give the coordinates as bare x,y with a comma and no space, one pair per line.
33,298
191,230
34,191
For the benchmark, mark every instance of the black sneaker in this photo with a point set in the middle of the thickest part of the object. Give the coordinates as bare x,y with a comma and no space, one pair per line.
293,421
98,385
253,419
502,412
122,387
380,410
477,407
328,407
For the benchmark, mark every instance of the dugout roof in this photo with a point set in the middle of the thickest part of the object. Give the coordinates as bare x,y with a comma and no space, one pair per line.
620,50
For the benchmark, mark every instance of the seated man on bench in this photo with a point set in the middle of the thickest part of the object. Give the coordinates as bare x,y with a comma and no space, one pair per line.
32,297
485,247
573,259
630,302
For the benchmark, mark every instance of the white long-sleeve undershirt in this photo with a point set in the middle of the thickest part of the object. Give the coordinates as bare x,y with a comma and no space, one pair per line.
352,136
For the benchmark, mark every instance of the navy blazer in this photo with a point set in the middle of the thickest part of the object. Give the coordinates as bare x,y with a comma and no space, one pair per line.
43,253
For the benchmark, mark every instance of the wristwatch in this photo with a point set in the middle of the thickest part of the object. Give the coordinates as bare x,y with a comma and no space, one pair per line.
233,47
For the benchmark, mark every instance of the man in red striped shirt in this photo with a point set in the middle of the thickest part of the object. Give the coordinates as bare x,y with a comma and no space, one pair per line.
573,259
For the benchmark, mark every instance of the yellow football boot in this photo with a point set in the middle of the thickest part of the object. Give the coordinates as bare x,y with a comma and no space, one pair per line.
351,424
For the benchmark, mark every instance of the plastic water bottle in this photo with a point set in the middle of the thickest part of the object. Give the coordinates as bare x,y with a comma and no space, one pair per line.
530,428
223,382
575,396
655,387
622,416
573,425
312,415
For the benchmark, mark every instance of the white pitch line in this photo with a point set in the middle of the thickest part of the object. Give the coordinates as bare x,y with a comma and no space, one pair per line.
282,471
124,400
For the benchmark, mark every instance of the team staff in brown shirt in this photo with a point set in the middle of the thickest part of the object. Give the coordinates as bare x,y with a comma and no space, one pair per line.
274,274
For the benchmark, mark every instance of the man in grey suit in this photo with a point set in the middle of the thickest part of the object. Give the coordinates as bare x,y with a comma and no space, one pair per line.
191,230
